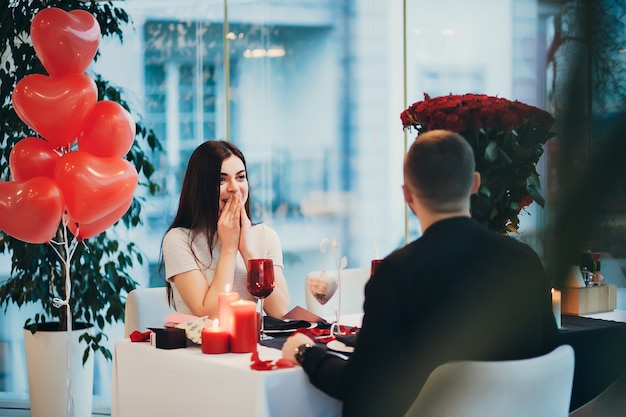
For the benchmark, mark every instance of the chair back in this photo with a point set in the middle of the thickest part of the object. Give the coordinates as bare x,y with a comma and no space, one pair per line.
145,307
538,387
353,282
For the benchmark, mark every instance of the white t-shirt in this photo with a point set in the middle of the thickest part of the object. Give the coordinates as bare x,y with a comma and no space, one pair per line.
181,254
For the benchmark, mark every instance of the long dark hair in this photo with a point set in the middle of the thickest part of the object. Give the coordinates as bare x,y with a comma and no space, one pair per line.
198,205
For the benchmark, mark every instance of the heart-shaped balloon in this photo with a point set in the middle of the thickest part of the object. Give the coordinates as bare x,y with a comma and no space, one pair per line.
65,42
322,285
55,107
32,157
31,211
86,230
108,130
93,187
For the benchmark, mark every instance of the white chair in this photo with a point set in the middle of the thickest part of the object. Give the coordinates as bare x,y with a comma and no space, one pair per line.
353,282
537,387
145,307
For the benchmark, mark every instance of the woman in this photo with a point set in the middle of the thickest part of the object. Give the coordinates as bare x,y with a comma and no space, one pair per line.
207,247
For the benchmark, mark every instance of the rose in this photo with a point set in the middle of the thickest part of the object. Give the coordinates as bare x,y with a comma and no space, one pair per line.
507,138
524,202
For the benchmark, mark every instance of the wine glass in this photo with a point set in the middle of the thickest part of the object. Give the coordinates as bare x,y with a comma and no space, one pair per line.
375,264
260,283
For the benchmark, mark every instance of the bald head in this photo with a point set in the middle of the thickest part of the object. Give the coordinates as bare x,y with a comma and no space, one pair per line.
439,170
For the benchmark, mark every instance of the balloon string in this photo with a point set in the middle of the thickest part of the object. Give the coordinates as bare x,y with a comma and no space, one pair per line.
65,256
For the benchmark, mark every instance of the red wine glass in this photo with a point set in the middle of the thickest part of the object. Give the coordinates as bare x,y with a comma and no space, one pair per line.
375,263
260,282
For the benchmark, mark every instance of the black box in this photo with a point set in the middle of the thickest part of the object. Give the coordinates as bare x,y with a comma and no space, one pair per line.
169,338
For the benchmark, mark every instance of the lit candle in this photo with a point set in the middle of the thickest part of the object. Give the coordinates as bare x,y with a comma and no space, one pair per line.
215,339
224,313
556,306
244,333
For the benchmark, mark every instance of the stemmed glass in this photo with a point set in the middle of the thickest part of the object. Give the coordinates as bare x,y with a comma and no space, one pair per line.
323,285
260,283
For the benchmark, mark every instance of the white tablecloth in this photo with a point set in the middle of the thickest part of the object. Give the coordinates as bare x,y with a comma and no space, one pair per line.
614,315
185,382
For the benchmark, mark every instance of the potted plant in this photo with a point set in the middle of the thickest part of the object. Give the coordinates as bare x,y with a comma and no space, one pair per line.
98,267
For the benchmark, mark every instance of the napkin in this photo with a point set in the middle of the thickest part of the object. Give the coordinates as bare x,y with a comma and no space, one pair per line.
193,328
299,313
273,323
171,320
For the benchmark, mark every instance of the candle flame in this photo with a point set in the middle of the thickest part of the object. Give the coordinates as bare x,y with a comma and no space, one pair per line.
227,288
216,324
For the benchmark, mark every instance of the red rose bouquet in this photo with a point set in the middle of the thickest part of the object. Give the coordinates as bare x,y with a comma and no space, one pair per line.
507,138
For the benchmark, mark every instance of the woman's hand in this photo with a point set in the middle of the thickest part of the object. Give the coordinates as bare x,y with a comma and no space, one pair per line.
228,224
244,234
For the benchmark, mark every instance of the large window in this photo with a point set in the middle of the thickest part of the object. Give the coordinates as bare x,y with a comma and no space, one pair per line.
311,91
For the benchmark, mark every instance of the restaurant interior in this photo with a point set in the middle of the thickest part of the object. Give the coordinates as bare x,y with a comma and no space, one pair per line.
312,92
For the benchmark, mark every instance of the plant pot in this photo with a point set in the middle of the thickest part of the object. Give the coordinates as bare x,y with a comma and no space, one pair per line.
49,373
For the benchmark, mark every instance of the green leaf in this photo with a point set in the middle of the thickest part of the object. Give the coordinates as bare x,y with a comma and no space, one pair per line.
536,195
491,151
483,189
504,156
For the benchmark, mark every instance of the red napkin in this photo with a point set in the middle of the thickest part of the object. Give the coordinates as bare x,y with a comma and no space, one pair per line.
138,336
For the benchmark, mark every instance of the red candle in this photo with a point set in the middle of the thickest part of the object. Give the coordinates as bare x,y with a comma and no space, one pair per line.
244,330
224,313
214,339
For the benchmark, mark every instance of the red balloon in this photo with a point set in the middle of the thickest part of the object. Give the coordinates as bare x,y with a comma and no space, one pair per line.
65,42
94,187
108,130
55,107
31,211
32,157
86,230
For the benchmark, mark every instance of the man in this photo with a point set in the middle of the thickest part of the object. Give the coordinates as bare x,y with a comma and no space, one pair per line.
458,292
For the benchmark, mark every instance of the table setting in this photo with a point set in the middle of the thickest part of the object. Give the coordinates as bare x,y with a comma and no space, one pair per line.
331,333
213,338
241,324
163,382
230,354
321,331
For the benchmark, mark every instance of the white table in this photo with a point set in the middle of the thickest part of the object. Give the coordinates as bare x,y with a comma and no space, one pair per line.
615,315
185,382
